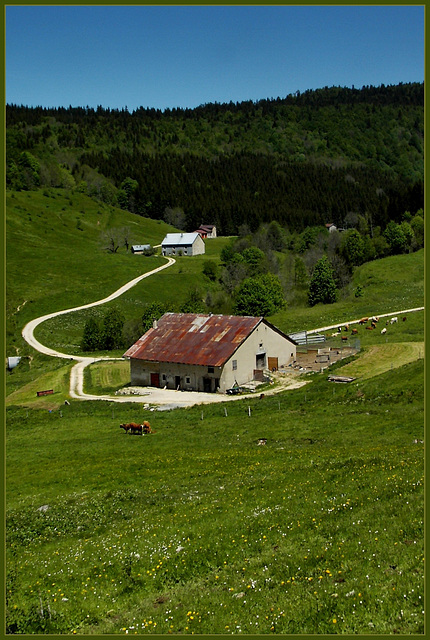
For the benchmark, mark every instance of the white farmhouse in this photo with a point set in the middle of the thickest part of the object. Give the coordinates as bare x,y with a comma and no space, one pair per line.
198,352
186,244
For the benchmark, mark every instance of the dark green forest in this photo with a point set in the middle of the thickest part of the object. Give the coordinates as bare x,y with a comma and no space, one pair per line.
305,160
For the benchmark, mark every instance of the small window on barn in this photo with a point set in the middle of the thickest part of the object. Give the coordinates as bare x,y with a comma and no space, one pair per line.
211,369
188,380
234,365
163,377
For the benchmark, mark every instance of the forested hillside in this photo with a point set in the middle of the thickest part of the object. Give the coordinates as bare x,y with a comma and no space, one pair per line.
303,160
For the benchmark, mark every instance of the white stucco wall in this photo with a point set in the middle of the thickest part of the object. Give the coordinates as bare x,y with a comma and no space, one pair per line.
263,340
198,246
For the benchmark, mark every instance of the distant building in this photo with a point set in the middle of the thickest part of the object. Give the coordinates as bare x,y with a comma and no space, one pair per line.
12,362
197,352
186,244
140,248
331,227
207,231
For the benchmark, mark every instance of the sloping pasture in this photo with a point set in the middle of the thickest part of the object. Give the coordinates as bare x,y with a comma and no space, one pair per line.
198,528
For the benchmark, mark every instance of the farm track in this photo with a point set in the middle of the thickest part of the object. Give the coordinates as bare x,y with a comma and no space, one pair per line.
164,397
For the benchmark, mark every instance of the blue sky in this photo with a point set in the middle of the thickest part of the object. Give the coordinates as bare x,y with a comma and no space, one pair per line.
184,56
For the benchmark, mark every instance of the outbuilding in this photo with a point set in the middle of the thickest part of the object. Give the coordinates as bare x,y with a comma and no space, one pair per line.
186,244
140,248
199,352
207,231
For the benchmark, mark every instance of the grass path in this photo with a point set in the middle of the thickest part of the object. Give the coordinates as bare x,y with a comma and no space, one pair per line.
378,359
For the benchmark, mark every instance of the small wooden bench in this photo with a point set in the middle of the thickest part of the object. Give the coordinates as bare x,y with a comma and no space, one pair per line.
45,393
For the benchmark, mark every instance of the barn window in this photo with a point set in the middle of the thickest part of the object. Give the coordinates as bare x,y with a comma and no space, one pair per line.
188,380
211,370
163,376
234,365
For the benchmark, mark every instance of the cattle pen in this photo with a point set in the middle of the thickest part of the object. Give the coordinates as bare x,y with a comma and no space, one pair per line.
317,358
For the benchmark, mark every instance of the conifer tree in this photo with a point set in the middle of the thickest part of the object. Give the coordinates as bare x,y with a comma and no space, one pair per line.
322,287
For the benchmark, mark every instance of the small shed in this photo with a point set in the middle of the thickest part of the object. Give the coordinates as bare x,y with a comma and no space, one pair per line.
140,248
12,362
331,227
186,244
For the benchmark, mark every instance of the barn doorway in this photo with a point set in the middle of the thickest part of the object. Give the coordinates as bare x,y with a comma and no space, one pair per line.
273,364
260,361
155,379
207,385
177,382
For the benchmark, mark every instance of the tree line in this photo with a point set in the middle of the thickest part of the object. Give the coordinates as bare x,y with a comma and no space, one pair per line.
303,160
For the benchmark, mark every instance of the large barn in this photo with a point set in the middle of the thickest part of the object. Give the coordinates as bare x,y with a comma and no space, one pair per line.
186,244
197,352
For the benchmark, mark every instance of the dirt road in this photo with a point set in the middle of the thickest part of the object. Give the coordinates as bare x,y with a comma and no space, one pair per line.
77,375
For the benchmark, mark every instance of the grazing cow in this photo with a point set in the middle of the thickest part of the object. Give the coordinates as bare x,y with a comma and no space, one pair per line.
339,328
370,328
136,429
347,327
132,427
146,427
344,338
384,330
354,331
404,319
393,320
363,320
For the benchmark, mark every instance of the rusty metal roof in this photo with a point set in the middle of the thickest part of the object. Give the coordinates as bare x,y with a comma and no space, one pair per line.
191,338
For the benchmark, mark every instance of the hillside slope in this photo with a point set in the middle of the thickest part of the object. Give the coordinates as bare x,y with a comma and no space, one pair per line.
303,160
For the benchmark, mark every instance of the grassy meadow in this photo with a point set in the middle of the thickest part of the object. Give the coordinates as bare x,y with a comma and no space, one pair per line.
298,513
198,528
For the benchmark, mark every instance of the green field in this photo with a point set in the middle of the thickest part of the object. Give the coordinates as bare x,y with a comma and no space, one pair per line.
298,513
198,528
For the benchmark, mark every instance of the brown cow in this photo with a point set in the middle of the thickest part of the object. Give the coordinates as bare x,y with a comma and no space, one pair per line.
363,320
354,331
146,427
132,427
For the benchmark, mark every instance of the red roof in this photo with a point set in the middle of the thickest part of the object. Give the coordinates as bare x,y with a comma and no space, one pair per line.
191,338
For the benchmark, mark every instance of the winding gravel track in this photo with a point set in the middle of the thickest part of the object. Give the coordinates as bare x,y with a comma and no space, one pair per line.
76,375
157,396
